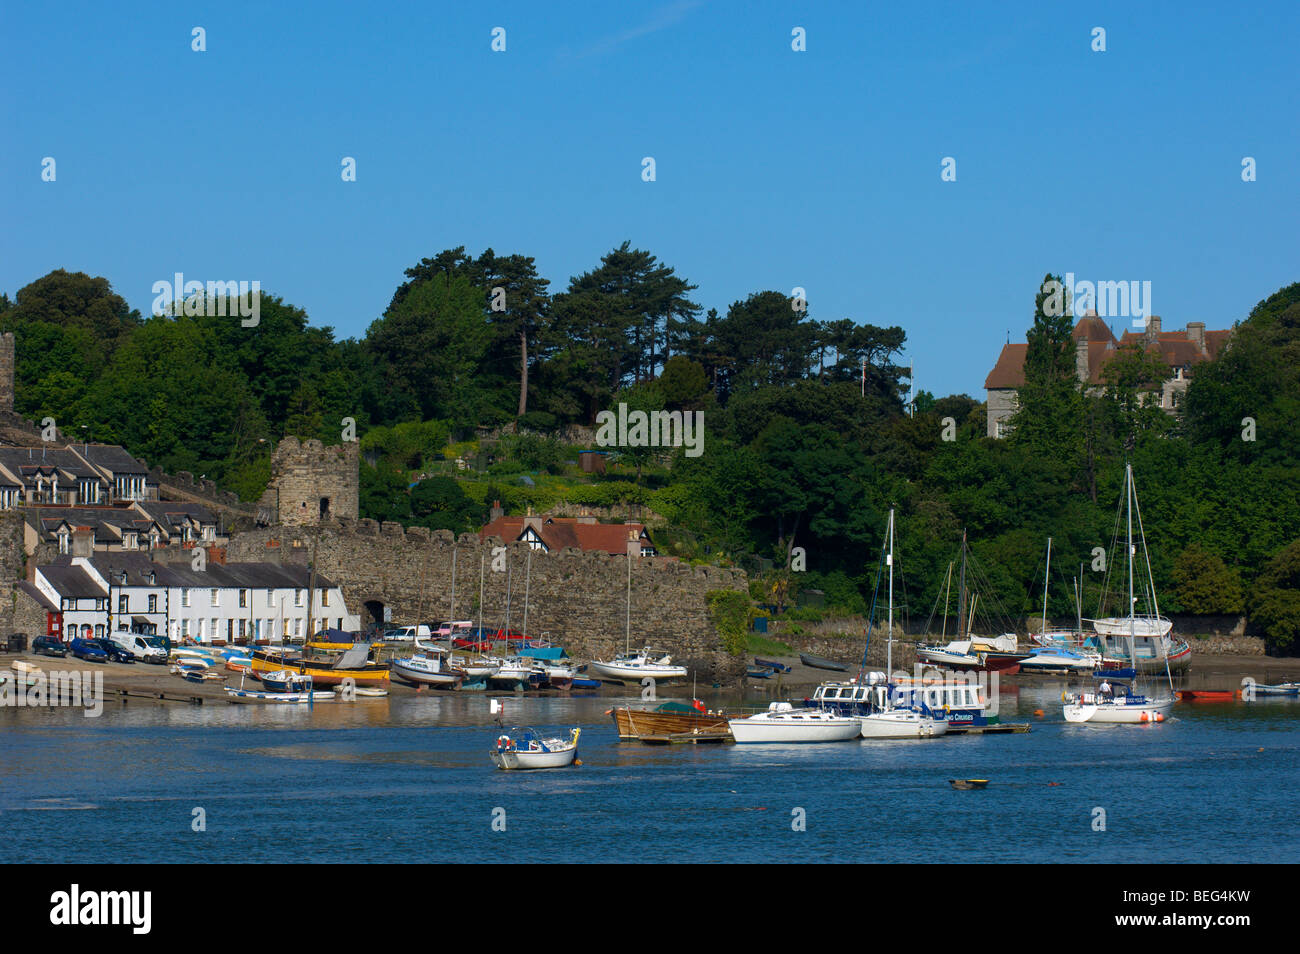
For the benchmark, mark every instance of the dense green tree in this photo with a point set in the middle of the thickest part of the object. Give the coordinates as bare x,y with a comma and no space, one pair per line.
1275,605
1204,584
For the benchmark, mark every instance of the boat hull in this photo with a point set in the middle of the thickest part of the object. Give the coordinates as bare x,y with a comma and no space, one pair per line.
371,674
901,725
1110,713
533,760
636,673
757,729
424,677
635,724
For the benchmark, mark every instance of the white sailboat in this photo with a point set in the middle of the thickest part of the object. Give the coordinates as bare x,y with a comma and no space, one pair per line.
646,663
896,722
782,722
527,749
1120,704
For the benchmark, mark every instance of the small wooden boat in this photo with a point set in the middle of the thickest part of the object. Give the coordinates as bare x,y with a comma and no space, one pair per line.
965,784
197,674
352,664
240,664
668,719
1207,695
1279,689
769,664
526,749
369,692
817,662
759,673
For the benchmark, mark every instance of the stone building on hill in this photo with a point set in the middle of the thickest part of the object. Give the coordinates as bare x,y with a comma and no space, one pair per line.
1096,344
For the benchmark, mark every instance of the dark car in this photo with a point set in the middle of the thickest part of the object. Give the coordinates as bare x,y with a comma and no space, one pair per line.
49,646
84,647
115,652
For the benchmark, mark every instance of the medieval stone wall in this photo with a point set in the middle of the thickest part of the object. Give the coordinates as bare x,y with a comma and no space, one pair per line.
578,599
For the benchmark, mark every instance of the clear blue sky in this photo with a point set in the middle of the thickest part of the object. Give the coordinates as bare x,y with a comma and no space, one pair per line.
775,169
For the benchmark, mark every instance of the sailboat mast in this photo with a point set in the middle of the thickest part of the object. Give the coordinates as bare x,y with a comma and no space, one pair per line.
1128,500
961,588
480,599
528,575
452,615
1046,576
947,589
889,641
627,631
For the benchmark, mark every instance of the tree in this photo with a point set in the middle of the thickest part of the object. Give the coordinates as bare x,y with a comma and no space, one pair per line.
439,503
1275,605
1203,583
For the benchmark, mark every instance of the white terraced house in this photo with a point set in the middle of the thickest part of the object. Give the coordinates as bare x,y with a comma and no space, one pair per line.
226,602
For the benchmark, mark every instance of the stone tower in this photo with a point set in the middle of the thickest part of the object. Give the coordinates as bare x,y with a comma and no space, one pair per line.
7,371
312,483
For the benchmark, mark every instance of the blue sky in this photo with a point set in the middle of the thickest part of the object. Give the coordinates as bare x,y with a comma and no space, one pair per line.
775,169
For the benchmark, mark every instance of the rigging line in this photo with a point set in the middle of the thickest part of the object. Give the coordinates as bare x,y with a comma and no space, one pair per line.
871,616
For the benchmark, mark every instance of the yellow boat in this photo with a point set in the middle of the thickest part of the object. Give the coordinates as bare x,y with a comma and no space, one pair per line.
323,672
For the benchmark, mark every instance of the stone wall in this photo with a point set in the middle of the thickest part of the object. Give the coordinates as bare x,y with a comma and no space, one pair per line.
7,371
578,599
13,566
311,482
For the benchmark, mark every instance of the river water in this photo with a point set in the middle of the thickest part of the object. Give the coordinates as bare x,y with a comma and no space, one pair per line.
408,779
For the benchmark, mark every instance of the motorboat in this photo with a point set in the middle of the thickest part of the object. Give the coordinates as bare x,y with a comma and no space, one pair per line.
976,653
285,680
1059,659
782,722
528,749
514,673
645,663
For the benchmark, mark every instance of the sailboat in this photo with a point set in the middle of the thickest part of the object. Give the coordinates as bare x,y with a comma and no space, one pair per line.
646,663
970,652
1121,704
1059,652
872,700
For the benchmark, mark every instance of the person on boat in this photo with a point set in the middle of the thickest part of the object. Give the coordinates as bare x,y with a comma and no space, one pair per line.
1104,690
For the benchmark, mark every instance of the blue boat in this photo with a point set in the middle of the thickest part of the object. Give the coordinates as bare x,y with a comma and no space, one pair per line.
582,683
769,664
286,680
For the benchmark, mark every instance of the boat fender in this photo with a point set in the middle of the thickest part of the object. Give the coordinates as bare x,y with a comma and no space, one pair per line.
1144,717
1160,717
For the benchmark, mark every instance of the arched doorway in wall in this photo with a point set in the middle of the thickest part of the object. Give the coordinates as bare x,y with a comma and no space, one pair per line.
373,618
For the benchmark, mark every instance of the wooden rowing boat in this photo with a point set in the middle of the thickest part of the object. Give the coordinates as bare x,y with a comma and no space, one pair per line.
671,718
322,672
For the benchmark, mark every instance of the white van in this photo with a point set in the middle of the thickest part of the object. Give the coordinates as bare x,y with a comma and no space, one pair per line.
140,647
406,634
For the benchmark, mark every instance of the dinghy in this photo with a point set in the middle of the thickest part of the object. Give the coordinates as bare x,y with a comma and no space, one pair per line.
1280,689
426,671
817,662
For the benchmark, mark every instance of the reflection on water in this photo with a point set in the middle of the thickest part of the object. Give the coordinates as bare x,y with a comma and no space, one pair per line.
407,778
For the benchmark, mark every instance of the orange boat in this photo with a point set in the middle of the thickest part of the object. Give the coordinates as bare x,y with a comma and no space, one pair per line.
1207,695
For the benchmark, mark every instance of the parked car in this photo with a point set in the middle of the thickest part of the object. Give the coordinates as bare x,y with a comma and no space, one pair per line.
88,648
115,651
49,646
143,648
478,639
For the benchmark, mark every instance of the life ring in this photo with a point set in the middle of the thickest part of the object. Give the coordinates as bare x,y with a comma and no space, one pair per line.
503,743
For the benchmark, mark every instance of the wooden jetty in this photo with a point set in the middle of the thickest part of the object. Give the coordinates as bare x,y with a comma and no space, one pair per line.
1003,728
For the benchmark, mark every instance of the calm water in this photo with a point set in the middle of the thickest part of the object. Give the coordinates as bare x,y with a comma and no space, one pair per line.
408,779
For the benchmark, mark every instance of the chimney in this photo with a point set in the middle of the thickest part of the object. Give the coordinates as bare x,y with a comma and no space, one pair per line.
633,544
83,542
1081,368
1196,334
496,513
216,554
1152,332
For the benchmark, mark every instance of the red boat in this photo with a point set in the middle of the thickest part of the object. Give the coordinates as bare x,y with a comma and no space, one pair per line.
1207,695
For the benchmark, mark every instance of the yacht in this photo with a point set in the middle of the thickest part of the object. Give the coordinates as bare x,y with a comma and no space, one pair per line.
784,723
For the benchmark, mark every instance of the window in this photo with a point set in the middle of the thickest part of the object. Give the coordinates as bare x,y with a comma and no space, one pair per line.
216,597
70,631
230,629
298,596
99,631
101,603
213,631
241,628
123,602
243,599
185,597
153,603
63,541
185,628
270,598
324,597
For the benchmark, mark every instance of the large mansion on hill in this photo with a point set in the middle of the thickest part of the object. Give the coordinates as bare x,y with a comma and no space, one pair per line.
1095,345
